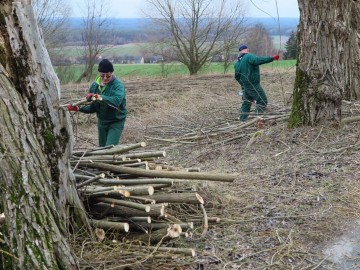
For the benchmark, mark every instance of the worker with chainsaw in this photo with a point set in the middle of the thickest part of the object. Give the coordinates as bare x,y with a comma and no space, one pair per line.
247,73
108,100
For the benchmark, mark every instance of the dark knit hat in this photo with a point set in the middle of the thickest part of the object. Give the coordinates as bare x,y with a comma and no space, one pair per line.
105,66
243,47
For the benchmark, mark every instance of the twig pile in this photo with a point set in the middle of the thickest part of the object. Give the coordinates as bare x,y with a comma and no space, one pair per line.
132,192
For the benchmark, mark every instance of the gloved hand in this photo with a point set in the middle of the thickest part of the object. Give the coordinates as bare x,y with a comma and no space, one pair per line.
92,97
72,108
89,96
276,57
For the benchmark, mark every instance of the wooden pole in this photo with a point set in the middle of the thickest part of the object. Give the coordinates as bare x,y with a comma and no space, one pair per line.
102,210
185,251
165,174
117,150
190,197
91,180
133,182
110,225
112,201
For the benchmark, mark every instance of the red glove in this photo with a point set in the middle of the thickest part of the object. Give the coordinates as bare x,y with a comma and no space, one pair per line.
89,96
72,108
276,57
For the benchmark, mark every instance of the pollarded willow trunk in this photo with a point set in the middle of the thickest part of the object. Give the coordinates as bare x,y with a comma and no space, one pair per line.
35,141
352,53
323,36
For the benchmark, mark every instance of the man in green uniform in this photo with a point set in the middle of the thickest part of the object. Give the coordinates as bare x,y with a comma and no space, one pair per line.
247,73
109,103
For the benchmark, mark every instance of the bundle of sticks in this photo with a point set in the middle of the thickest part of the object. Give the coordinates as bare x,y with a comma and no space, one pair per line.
134,192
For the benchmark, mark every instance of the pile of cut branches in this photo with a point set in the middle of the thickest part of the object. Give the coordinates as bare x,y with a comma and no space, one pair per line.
135,195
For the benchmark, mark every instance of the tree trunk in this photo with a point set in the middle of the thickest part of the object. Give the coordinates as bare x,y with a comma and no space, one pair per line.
35,144
352,53
323,36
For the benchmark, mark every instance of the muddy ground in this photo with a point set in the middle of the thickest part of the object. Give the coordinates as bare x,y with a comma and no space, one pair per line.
296,197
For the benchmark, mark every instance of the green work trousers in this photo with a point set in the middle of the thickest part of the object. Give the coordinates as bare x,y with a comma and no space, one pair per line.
251,94
110,133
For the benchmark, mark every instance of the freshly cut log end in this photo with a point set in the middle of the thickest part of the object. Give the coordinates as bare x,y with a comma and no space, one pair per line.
100,234
143,144
174,231
2,218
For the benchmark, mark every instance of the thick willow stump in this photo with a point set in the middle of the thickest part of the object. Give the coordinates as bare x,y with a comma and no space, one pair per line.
35,191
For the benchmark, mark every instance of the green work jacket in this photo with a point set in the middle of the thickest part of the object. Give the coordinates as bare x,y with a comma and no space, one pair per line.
247,71
112,107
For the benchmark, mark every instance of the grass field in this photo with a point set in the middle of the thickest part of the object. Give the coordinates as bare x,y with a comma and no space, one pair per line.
70,74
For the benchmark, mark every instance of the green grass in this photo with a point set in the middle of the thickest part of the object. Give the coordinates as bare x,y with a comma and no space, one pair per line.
71,73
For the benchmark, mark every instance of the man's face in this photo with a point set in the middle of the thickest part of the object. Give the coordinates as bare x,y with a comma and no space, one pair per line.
106,77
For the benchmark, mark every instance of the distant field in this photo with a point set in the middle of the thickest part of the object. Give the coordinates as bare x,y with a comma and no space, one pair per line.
132,49
71,73
136,49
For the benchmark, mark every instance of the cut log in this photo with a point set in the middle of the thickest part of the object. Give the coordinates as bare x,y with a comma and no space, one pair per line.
172,219
140,190
146,155
205,221
91,180
134,205
101,210
158,236
201,220
190,198
125,157
132,182
115,150
165,174
185,251
111,161
118,194
142,199
140,219
110,225
351,119
157,226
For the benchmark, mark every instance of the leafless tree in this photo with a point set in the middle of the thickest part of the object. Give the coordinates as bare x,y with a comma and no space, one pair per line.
52,16
328,60
195,29
160,51
95,23
230,43
259,40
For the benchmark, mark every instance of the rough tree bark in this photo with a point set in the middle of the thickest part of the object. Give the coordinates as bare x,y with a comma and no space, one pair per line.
325,41
352,53
35,143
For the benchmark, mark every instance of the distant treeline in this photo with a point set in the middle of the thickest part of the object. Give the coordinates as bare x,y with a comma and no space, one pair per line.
133,30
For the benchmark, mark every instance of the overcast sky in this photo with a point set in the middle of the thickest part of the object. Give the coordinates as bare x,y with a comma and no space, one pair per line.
256,8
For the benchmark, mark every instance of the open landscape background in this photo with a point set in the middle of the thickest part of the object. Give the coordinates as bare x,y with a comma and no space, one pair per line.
133,40
296,192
